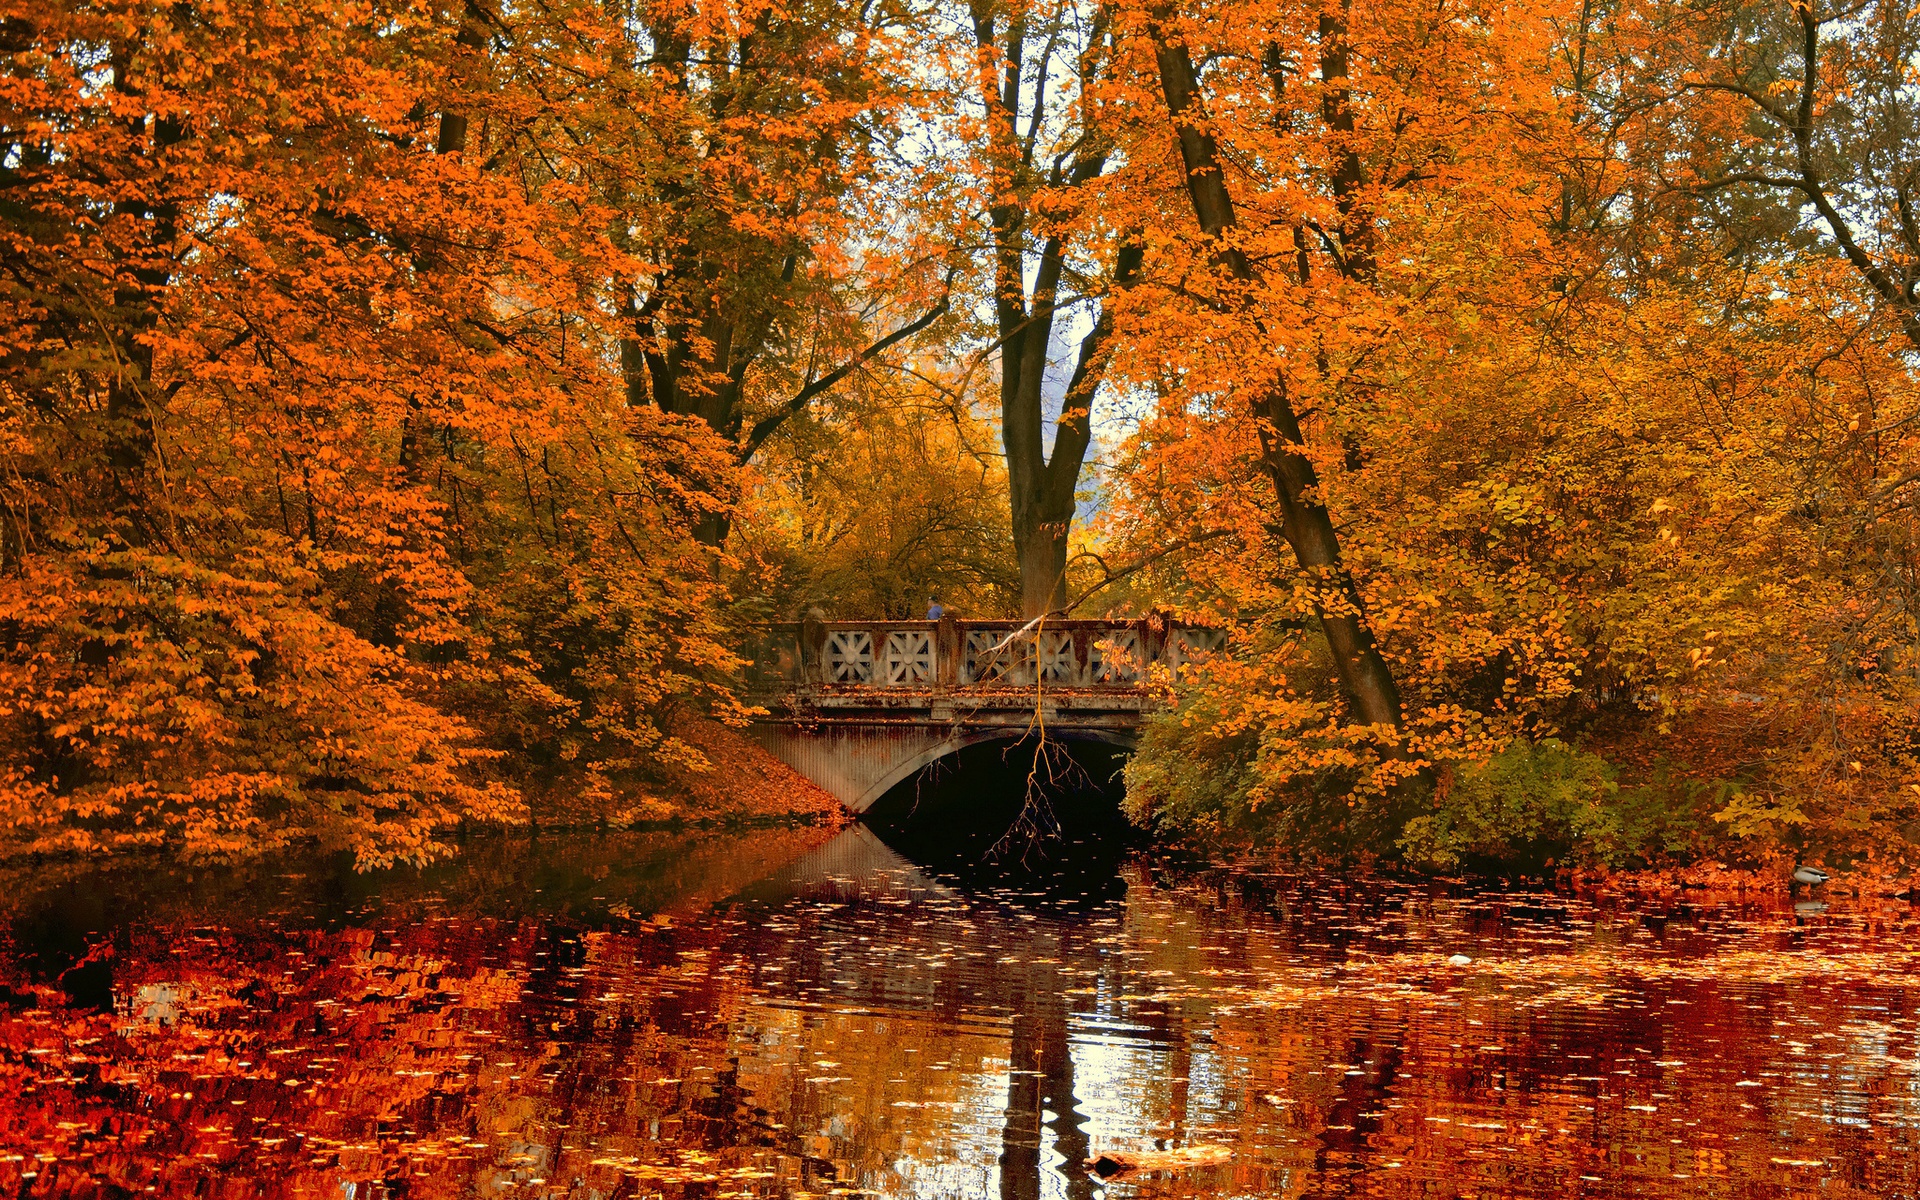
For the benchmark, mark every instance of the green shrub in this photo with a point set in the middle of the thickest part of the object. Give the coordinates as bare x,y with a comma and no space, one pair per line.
1186,778
1539,803
1203,772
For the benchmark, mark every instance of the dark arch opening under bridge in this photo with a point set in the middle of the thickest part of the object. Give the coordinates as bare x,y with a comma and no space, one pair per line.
1007,798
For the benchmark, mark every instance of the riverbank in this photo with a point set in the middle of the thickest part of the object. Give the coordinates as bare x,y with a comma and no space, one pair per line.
1862,880
730,782
740,782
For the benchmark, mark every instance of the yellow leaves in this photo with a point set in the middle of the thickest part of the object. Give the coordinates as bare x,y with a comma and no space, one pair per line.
1646,513
1750,814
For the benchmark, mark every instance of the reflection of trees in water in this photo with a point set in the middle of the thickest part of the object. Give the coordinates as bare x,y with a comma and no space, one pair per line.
905,965
1040,1082
910,975
906,1038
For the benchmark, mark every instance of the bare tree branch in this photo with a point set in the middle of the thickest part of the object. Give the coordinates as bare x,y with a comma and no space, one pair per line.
764,428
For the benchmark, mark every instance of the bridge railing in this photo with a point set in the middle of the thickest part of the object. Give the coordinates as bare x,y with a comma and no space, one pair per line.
951,653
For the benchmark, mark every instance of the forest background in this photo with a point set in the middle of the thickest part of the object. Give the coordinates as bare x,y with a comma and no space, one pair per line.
407,410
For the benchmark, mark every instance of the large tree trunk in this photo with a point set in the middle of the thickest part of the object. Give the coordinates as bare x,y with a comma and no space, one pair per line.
1364,674
1042,491
1040,540
1040,486
1365,677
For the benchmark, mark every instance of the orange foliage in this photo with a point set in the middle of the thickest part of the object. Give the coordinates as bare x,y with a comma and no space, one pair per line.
320,492
375,379
1587,478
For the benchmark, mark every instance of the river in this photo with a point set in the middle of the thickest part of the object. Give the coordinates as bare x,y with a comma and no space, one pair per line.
807,1012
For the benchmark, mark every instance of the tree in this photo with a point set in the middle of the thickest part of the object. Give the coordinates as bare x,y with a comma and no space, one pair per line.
313,451
1365,677
1264,336
1039,66
733,155
878,499
1607,463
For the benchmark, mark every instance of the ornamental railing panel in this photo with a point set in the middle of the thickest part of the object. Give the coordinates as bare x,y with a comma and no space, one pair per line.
997,657
849,656
909,657
1059,665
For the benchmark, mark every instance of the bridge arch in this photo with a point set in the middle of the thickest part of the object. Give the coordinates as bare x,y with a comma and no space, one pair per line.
861,762
912,763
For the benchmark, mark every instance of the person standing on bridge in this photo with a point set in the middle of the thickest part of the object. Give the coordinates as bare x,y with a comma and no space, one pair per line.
934,611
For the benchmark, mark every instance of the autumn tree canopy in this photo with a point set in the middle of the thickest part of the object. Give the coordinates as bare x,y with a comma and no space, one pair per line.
408,408
322,515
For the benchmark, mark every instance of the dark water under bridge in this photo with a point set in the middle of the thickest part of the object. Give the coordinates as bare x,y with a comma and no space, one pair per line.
862,706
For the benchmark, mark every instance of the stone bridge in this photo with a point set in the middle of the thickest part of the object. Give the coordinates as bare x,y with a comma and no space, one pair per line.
860,706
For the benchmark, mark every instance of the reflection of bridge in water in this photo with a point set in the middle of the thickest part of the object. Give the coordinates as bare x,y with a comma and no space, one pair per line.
860,706
988,963
852,1022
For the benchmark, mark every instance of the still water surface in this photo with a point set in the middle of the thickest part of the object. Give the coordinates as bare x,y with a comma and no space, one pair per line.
808,1013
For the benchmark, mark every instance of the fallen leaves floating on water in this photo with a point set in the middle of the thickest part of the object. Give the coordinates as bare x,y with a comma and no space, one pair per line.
834,1041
